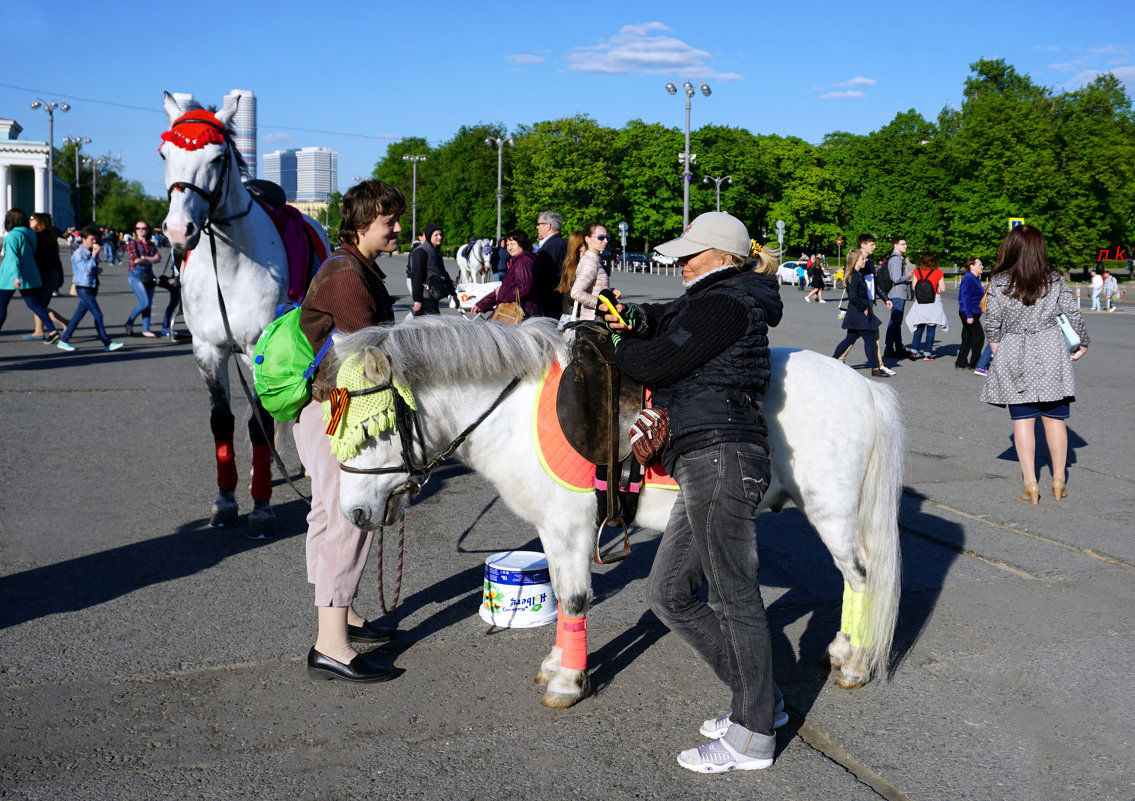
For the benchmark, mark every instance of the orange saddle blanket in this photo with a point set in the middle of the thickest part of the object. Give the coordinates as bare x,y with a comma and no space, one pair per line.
559,460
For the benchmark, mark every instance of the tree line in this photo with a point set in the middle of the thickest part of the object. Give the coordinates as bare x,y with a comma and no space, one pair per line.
1063,161
118,202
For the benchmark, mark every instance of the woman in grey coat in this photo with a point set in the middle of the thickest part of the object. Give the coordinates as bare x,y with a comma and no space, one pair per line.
1031,372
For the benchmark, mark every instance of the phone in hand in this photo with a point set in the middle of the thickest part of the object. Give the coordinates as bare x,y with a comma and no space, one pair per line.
607,299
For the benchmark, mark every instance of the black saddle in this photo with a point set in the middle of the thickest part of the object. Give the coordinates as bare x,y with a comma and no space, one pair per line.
595,406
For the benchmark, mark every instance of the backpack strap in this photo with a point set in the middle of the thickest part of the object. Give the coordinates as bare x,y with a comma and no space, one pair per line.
310,371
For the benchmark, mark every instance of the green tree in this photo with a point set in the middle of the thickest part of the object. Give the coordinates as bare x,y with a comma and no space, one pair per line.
648,177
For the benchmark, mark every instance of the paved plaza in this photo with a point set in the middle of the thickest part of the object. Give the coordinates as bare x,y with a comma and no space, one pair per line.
145,655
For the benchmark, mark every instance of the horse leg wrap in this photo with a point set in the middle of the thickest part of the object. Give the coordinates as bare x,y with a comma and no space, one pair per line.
226,464
261,473
854,622
571,639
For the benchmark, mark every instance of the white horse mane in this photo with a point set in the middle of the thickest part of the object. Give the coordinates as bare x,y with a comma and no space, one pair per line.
435,349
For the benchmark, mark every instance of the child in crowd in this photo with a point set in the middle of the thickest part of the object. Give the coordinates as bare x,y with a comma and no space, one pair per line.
85,269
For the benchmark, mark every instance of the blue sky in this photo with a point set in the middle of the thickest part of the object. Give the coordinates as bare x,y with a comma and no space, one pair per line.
354,77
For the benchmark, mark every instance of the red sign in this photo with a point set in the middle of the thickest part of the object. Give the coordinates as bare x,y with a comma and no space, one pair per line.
839,241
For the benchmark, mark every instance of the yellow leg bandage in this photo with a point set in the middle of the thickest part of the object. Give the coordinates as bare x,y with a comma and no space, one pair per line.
854,620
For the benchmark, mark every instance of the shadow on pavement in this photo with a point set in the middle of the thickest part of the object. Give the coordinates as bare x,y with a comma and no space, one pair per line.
97,578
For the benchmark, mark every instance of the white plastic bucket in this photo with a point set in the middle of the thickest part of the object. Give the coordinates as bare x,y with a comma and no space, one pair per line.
517,590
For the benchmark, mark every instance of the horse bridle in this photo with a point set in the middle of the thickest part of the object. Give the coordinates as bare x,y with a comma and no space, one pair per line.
408,424
212,198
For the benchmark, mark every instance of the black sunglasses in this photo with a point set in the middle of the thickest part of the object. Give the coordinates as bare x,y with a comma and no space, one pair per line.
602,237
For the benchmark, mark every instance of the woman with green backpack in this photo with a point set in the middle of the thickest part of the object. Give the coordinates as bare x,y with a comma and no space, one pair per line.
348,293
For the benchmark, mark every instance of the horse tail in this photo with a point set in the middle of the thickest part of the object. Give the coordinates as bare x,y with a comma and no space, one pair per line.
878,528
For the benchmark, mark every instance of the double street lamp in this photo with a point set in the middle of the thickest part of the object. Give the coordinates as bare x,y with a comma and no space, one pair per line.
50,109
685,157
414,160
78,142
728,179
500,143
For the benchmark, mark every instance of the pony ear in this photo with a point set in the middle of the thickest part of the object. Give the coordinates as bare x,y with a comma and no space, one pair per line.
229,111
376,367
172,110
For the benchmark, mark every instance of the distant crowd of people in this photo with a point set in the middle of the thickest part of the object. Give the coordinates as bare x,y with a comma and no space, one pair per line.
32,266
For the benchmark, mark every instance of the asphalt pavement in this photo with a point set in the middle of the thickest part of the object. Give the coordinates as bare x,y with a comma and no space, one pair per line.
146,655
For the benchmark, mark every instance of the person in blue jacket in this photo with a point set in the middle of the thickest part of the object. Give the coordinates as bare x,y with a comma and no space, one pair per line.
85,270
970,294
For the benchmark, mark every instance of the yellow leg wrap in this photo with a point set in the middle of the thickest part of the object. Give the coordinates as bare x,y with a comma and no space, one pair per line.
855,611
845,618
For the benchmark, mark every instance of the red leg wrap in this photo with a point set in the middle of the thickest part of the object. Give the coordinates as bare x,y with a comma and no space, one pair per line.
261,473
226,464
571,636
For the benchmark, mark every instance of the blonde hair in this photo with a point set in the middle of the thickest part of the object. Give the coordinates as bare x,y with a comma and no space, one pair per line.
764,260
738,261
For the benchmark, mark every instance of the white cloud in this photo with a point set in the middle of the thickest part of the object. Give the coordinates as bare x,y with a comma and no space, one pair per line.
857,81
647,48
521,59
842,95
1125,75
278,139
1048,48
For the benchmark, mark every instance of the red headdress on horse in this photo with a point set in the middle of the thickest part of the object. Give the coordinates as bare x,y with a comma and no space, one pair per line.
195,129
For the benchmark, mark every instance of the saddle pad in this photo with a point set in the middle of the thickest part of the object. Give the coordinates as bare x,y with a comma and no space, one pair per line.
560,461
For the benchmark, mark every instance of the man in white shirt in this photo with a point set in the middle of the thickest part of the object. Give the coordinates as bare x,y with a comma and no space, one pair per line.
1097,287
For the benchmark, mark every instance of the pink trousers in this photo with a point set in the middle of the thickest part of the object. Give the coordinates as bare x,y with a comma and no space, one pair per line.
336,550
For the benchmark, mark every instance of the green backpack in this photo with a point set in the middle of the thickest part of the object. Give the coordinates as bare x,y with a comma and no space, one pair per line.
283,363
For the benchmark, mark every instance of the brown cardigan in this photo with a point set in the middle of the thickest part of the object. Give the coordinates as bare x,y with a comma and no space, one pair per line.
348,293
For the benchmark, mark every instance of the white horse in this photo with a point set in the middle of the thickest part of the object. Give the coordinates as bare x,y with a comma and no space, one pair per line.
848,487
250,272
474,260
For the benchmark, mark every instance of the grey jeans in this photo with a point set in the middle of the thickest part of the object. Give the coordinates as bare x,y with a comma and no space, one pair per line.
712,535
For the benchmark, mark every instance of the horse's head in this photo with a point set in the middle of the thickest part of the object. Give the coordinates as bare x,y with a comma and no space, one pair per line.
199,161
373,440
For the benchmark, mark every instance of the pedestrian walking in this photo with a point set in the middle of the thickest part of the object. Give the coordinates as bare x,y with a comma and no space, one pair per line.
970,294
860,321
20,273
85,269
927,315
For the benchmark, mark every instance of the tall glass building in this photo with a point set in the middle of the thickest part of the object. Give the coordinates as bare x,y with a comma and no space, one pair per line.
244,129
308,174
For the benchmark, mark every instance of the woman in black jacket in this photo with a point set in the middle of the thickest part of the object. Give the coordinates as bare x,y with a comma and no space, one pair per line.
860,320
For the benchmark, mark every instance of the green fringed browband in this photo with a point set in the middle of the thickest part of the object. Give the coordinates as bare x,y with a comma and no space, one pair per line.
365,416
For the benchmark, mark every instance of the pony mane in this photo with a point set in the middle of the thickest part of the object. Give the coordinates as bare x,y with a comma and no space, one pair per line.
435,349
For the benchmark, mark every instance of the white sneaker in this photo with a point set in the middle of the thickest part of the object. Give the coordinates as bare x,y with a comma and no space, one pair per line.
807,300
716,727
821,300
886,370
718,757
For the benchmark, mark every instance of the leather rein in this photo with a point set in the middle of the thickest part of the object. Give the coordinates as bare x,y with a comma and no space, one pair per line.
409,425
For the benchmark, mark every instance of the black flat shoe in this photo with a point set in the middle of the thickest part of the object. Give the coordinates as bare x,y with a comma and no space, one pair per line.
368,632
361,670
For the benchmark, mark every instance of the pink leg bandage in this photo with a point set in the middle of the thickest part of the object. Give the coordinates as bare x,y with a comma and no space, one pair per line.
571,639
261,473
226,464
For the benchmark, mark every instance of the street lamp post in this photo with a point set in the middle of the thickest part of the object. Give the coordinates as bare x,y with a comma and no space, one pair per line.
50,109
414,202
723,179
500,143
78,142
689,89
95,164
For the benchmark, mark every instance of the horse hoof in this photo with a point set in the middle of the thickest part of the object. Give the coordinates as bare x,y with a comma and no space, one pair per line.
830,662
853,683
226,513
261,522
564,700
543,677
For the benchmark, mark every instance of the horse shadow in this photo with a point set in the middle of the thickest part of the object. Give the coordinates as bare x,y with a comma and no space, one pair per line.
97,578
929,546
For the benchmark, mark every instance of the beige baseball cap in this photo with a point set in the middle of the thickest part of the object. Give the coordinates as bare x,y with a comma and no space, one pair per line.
714,229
